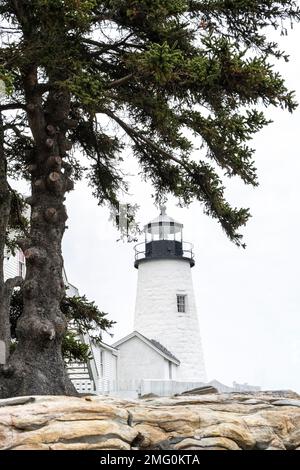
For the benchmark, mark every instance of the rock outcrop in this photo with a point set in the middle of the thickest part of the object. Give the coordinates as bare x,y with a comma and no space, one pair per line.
263,420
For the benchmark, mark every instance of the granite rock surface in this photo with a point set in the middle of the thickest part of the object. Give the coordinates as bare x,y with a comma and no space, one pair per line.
234,421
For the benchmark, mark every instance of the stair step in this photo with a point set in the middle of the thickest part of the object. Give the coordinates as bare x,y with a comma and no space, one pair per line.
80,375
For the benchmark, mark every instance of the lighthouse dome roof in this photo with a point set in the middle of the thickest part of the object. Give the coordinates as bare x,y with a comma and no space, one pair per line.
163,220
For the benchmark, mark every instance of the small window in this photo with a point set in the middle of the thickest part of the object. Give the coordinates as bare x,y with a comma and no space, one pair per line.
181,303
101,363
21,269
21,263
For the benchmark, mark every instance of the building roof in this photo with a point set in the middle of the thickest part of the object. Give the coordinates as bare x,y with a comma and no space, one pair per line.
108,347
99,344
163,349
159,348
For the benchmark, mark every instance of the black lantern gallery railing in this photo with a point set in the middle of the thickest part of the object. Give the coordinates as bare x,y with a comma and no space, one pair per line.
164,249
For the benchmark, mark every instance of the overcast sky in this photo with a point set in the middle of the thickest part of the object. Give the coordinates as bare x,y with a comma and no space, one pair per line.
248,300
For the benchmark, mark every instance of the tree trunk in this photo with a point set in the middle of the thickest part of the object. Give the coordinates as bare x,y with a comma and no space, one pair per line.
5,198
37,366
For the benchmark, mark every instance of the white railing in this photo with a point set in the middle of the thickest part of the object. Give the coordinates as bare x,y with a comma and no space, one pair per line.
84,385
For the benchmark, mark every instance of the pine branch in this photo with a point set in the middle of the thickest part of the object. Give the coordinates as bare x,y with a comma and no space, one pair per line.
120,81
19,211
137,135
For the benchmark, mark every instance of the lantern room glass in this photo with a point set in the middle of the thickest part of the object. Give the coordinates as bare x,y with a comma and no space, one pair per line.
163,230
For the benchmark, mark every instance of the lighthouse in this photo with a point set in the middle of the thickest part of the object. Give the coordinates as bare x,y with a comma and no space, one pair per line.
165,309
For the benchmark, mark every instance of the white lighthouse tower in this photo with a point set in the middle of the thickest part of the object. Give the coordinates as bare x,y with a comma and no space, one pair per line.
165,304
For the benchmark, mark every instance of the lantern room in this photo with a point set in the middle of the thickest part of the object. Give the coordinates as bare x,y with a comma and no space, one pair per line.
163,227
163,239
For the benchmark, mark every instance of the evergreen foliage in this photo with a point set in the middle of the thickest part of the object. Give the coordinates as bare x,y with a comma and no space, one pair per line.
163,71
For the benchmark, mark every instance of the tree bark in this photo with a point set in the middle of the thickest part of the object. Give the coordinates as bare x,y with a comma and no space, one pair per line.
5,198
37,366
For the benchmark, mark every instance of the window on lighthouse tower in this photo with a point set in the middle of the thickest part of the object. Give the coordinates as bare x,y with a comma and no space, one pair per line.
181,303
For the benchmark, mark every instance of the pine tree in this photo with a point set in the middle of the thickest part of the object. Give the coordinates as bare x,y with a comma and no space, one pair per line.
160,71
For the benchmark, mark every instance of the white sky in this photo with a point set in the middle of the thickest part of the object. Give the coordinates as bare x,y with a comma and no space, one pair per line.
248,300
